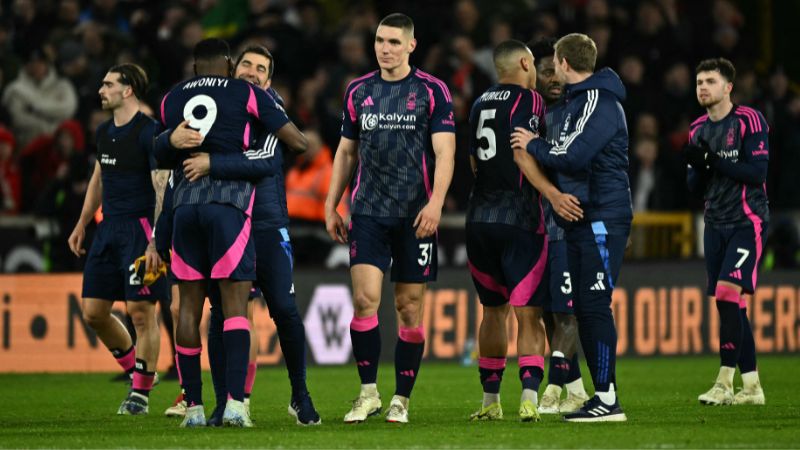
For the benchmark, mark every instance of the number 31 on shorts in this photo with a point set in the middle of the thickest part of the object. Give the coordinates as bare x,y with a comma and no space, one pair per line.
425,254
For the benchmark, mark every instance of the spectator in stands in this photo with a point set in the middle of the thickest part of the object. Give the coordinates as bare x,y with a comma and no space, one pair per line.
10,194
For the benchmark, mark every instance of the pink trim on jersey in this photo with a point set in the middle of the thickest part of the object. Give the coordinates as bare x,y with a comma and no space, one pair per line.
414,335
188,351
230,260
424,176
364,323
523,291
143,382
531,361
752,115
148,230
487,281
432,102
351,108
163,101
514,108
742,129
491,363
358,183
726,294
438,82
236,323
183,271
246,137
252,104
699,120
757,229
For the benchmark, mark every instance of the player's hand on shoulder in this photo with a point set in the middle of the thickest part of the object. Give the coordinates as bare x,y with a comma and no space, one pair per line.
567,206
335,226
184,137
75,240
197,166
427,221
521,137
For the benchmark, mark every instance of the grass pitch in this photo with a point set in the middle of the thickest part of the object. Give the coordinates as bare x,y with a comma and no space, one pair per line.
658,395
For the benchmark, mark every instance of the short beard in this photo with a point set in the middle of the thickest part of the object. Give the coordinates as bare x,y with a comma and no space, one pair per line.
710,103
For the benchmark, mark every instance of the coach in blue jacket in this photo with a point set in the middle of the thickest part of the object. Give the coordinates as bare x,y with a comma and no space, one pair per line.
590,158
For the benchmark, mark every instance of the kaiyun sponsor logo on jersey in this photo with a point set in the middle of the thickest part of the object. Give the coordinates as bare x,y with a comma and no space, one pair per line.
391,121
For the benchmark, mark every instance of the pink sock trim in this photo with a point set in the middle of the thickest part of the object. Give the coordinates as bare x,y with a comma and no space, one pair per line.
143,382
532,361
236,323
726,294
178,368
188,351
492,363
128,362
412,335
364,323
250,379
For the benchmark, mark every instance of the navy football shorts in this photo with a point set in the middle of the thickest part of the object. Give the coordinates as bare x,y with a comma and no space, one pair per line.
507,264
558,279
212,241
733,254
381,241
109,272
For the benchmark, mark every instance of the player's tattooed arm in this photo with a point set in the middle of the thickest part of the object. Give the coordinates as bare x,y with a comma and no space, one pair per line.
160,180
94,195
565,205
444,147
344,163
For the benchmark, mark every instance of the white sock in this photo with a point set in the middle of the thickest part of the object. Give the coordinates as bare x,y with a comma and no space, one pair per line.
610,397
488,399
576,388
557,354
725,376
554,389
403,400
369,390
530,394
750,379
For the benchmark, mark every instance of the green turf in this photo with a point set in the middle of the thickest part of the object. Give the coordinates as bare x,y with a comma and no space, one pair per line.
659,397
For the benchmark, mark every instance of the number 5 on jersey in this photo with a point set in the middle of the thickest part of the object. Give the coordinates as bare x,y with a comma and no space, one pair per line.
485,131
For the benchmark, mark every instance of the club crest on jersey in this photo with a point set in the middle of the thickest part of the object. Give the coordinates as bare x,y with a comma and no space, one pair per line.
729,139
411,101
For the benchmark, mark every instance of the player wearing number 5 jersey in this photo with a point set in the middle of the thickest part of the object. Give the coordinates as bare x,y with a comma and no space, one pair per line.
122,182
212,224
397,127
728,154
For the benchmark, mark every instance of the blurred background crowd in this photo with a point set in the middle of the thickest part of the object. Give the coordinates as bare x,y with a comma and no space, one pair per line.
54,53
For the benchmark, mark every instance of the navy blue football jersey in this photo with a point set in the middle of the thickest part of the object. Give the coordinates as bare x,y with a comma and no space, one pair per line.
393,122
740,137
224,111
126,159
501,193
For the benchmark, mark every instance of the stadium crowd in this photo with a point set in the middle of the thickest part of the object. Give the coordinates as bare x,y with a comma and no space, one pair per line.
54,54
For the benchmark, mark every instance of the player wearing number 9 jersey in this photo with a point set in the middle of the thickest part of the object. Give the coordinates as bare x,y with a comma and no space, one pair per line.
212,224
506,239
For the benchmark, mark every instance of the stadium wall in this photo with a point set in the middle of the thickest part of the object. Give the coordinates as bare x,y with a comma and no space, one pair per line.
660,309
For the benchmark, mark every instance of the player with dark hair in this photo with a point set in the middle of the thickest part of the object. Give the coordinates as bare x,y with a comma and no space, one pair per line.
590,155
559,315
123,183
212,218
397,128
506,240
728,156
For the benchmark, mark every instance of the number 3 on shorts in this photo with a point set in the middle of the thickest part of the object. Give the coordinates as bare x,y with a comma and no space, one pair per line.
425,254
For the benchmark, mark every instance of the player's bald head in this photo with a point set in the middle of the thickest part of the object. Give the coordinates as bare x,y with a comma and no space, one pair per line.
507,56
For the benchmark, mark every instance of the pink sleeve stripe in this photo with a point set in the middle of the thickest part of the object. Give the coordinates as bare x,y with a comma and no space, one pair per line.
188,351
438,82
749,117
252,105
531,361
701,119
432,102
148,230
492,363
163,101
755,117
514,108
742,129
351,108
236,323
363,77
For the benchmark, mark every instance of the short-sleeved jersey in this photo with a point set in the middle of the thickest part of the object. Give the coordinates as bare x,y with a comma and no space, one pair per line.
125,155
393,122
554,232
223,110
501,193
741,137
